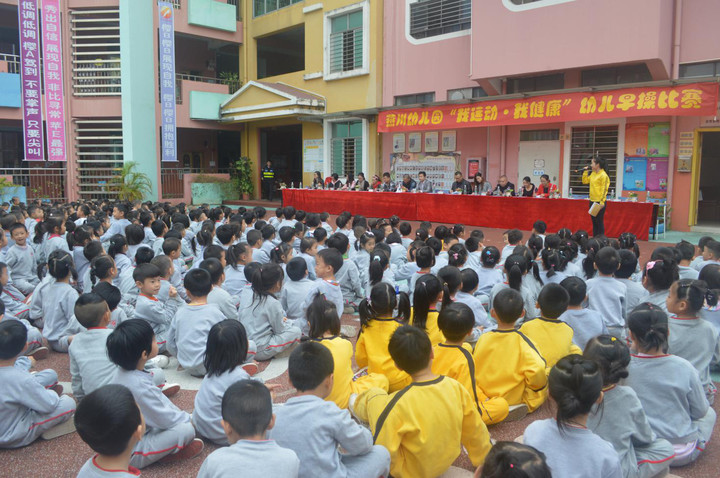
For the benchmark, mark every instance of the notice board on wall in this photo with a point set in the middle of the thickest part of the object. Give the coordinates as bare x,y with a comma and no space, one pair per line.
440,169
634,173
645,167
657,174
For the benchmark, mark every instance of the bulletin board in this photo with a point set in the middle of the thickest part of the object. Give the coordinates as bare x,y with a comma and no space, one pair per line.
659,140
635,173
657,174
646,157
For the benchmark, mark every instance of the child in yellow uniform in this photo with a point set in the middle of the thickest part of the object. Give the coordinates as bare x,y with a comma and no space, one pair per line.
325,328
552,337
424,424
453,358
377,324
507,363
428,292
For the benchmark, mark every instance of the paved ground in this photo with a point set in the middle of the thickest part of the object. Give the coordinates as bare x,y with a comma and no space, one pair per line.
62,457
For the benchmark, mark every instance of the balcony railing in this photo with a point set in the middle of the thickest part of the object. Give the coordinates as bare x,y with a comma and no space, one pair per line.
13,62
40,183
233,85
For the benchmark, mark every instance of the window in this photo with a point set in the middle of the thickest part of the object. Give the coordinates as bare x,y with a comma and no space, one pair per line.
536,83
346,42
466,93
346,147
415,99
281,53
261,7
700,70
586,142
616,75
540,135
429,18
520,5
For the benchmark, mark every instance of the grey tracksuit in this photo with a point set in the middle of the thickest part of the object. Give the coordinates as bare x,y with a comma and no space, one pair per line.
58,307
208,404
349,279
188,333
158,315
607,296
696,340
255,458
227,303
21,261
264,320
586,324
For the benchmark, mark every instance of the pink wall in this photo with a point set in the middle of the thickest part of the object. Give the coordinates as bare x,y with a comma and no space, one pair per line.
576,34
700,36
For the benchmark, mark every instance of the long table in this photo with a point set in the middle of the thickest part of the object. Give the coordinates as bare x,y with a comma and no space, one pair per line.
482,211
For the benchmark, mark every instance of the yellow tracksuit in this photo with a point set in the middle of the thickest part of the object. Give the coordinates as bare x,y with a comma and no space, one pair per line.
552,338
431,326
423,426
599,183
371,351
457,362
343,383
508,365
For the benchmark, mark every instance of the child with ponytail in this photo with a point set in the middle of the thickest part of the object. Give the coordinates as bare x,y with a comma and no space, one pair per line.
710,274
429,291
118,251
553,265
575,386
621,420
691,337
237,257
102,269
657,277
364,247
377,324
379,270
51,234
511,459
668,387
59,298
516,267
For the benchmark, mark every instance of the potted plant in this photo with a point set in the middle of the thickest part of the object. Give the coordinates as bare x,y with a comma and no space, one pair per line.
243,174
632,196
129,184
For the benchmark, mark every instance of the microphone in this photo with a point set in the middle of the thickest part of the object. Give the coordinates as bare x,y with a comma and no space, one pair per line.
586,168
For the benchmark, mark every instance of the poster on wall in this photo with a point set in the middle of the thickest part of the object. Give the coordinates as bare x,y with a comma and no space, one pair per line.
636,140
659,140
657,174
313,155
449,141
634,173
414,142
473,167
440,169
399,143
431,142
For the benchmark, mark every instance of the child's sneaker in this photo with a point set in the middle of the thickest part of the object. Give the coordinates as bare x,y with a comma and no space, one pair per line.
170,389
39,353
59,430
251,368
161,361
193,449
517,412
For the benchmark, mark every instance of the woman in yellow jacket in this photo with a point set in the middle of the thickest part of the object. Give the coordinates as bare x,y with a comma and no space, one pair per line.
599,183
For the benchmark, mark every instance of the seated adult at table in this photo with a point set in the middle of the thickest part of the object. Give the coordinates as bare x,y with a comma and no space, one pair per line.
461,185
546,188
528,188
408,184
424,185
318,182
349,182
375,182
479,185
361,183
387,186
504,187
336,183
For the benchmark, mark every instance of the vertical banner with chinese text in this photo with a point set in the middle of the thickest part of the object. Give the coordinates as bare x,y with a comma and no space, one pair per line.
31,93
168,142
53,75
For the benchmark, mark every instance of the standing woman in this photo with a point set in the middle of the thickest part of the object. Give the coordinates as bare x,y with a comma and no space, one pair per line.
318,182
479,185
599,183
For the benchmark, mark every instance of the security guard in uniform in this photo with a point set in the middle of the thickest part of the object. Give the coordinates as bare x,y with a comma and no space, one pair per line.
268,180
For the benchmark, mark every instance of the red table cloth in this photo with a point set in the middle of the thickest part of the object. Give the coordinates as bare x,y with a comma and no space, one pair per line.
482,211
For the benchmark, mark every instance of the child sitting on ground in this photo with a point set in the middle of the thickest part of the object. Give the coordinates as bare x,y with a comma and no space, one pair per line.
607,295
237,257
328,262
347,275
296,291
12,298
585,323
59,301
20,258
111,424
453,358
148,308
424,425
247,415
315,428
30,405
429,291
636,293
218,296
169,430
507,363
508,457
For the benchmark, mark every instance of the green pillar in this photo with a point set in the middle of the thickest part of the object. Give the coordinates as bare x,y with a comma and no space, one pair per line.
139,88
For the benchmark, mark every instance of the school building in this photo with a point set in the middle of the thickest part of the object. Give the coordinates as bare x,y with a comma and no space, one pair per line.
450,64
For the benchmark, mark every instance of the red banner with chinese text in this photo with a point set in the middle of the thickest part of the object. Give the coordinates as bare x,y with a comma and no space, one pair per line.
696,99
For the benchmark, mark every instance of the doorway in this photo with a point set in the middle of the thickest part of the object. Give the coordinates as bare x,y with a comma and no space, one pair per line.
283,146
708,212
538,154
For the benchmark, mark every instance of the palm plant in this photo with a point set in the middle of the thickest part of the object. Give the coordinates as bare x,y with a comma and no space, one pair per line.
130,184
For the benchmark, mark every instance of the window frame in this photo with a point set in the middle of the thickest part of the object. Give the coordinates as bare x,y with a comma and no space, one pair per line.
716,68
415,95
472,95
327,136
254,15
327,26
444,36
513,7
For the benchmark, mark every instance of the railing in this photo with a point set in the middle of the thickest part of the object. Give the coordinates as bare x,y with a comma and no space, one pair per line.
233,85
13,62
40,183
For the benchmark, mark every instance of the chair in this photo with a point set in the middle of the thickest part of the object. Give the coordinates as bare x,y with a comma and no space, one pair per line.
659,227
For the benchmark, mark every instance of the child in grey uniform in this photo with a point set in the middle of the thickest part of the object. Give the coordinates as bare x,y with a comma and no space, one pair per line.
575,387
188,332
110,422
35,348
586,323
169,431
118,251
295,291
621,420
12,298
20,258
225,361
636,293
691,337
314,428
237,257
59,301
605,294
308,251
247,414
147,307
28,408
218,296
669,387
172,248
348,275
657,277
711,276
263,316
328,262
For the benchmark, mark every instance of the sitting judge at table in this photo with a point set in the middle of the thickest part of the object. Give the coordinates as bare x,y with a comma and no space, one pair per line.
461,185
407,184
375,182
546,188
528,188
336,183
318,182
360,183
424,185
349,182
504,187
387,186
479,185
